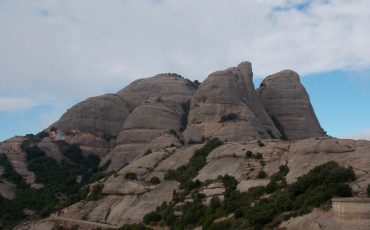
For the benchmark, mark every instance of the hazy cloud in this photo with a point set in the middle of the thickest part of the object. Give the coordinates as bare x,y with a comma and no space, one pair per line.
15,104
68,49
362,135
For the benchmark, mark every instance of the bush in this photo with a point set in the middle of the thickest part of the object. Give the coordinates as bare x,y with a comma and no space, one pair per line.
33,152
134,227
258,156
152,217
248,154
9,173
229,117
261,175
96,192
147,152
131,176
260,143
186,173
155,180
368,190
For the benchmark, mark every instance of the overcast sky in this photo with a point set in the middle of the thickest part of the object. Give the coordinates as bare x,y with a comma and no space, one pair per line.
56,53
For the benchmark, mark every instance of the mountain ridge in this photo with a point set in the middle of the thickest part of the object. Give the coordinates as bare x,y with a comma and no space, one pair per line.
145,132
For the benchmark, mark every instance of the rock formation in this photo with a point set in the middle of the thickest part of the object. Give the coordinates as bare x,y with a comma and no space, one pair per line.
104,114
160,104
151,126
229,93
288,104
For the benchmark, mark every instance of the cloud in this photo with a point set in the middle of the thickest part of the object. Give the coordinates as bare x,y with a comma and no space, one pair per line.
361,135
68,49
15,104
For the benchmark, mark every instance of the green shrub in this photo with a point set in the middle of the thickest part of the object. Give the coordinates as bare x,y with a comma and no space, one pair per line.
229,117
261,175
215,203
258,156
33,152
9,173
248,154
186,173
184,117
134,227
96,192
130,176
152,217
155,180
260,143
147,152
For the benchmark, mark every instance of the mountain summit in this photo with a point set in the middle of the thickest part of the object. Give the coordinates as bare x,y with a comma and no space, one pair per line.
166,152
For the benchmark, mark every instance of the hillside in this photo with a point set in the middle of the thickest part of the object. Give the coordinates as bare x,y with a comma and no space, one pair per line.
168,152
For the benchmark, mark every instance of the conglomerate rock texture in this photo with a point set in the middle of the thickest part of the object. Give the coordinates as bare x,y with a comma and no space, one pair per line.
287,102
157,124
104,114
223,93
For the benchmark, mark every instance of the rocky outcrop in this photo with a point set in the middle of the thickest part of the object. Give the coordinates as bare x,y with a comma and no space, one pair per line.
165,86
103,114
226,106
158,118
287,102
17,157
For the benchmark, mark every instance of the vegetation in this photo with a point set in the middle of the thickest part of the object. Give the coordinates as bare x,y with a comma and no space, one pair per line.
250,155
368,190
9,173
155,180
250,209
261,175
260,143
229,117
134,227
61,186
131,176
147,152
186,173
96,192
184,117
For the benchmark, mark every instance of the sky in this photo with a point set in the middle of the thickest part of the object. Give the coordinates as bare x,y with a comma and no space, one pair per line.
55,53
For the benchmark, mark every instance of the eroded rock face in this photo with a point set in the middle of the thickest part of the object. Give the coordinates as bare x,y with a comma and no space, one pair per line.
17,157
223,93
165,86
288,104
157,120
105,114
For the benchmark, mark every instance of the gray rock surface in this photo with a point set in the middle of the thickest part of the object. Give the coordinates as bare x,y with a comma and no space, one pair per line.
228,92
288,104
156,121
162,85
102,114
12,149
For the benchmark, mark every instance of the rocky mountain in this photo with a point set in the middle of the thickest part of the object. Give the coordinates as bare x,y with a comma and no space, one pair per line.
168,152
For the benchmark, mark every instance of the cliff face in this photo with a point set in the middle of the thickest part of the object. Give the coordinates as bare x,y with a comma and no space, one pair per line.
157,124
225,94
288,104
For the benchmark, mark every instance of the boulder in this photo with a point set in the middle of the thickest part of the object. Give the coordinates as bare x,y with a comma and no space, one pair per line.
226,106
166,86
288,104
102,114
158,118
